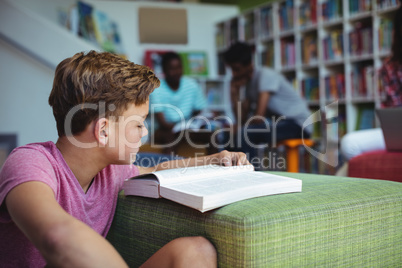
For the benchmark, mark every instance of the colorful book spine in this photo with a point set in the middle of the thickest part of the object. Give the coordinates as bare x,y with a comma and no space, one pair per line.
309,49
267,56
385,34
288,54
382,4
266,22
360,40
335,87
362,78
333,46
365,117
358,6
286,15
308,13
310,88
331,9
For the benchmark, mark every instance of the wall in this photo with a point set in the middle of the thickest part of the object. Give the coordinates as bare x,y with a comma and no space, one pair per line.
201,23
24,89
242,4
26,82
201,26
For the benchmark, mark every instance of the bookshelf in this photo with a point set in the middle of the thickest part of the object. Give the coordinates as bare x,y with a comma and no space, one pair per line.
218,99
329,49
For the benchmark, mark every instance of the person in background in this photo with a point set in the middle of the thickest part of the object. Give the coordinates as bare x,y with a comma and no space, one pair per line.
266,106
176,101
57,200
390,75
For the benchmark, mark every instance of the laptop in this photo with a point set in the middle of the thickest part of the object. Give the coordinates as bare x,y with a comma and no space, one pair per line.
391,125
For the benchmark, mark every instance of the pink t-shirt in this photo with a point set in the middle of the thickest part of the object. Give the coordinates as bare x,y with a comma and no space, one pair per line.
43,162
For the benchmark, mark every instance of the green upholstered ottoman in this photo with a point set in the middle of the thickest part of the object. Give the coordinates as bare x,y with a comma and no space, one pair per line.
334,222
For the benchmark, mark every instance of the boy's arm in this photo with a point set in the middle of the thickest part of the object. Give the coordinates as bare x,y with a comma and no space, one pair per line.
224,158
262,104
160,117
62,240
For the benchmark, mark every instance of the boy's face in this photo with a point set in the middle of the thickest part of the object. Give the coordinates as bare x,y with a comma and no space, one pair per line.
173,70
241,71
128,131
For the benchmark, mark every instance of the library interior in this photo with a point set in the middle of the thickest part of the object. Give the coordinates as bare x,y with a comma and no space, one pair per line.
330,52
306,89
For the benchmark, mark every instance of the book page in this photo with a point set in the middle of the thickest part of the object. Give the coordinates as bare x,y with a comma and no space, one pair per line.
229,182
212,192
179,175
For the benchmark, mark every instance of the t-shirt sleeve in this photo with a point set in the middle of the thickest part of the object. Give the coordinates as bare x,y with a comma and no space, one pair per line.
155,101
268,81
200,101
125,172
24,165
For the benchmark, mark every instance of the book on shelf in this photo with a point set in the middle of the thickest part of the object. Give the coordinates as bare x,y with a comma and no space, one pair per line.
249,27
86,27
194,63
106,32
383,4
310,88
362,77
266,22
361,40
221,64
214,96
220,35
331,9
153,59
365,117
335,86
309,49
267,55
95,26
385,34
308,13
358,6
211,186
333,45
234,31
288,53
342,123
286,15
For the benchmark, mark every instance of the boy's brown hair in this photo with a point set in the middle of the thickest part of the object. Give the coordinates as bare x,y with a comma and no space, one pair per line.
94,78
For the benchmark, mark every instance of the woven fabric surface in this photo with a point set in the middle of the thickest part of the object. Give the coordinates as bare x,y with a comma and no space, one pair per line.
333,222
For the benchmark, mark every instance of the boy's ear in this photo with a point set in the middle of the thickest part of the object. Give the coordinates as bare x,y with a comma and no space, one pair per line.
102,131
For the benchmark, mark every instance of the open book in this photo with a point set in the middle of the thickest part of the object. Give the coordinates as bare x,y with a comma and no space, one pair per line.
211,186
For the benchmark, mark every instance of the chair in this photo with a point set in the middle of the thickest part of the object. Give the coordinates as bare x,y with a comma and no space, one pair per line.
292,152
381,164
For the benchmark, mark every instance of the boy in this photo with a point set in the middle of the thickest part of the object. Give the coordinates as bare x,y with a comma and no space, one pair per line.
57,200
267,93
178,98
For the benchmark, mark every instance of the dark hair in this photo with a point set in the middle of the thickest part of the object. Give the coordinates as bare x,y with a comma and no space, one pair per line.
397,37
238,53
95,77
167,57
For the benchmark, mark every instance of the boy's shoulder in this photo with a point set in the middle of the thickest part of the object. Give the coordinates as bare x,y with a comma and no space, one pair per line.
266,71
39,148
189,81
30,156
35,148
